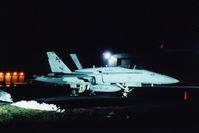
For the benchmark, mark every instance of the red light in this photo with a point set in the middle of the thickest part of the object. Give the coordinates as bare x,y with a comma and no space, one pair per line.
185,96
161,46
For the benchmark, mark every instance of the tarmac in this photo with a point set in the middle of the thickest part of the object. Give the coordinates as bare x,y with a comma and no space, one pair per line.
145,110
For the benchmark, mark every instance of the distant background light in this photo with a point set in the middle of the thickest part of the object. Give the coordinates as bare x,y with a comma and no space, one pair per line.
107,55
21,73
1,74
7,85
8,74
161,46
15,73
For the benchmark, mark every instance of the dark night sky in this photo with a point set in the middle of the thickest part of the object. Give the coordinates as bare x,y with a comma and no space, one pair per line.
29,29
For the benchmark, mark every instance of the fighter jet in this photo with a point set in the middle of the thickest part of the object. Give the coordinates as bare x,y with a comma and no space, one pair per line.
100,79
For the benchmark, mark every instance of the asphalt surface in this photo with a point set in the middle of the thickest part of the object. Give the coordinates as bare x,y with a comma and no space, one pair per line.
145,110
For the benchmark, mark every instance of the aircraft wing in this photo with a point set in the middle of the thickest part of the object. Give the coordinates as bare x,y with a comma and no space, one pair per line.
57,75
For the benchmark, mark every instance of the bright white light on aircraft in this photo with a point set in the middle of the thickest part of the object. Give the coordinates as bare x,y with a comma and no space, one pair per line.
112,61
107,55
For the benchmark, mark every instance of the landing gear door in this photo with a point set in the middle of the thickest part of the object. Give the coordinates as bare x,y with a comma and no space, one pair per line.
98,78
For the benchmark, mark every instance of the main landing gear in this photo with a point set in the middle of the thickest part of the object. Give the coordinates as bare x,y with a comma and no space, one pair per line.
125,89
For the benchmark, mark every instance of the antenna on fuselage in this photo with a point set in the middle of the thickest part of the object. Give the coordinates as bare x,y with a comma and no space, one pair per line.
134,67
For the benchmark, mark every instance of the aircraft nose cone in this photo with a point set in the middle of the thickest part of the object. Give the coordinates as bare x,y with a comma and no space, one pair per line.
173,80
167,80
176,81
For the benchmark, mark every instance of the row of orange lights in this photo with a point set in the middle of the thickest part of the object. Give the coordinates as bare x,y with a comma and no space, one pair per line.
14,73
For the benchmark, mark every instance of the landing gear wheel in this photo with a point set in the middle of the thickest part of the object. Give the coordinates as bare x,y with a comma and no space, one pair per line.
125,92
92,93
74,93
124,95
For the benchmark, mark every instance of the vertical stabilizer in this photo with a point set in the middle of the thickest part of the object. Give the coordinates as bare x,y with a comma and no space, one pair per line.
76,61
56,64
